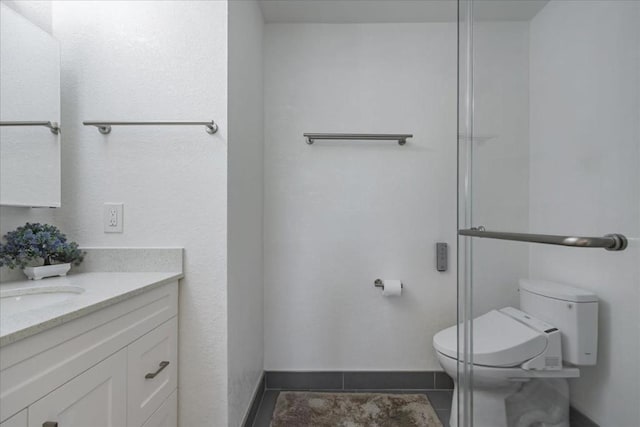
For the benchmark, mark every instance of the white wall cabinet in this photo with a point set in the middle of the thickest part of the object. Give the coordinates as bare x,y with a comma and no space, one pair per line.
116,367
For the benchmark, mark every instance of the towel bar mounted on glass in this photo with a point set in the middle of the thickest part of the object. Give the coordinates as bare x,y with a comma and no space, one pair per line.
53,126
104,127
610,242
400,137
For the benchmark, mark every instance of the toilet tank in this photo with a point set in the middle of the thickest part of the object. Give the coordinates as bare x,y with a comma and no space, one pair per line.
572,310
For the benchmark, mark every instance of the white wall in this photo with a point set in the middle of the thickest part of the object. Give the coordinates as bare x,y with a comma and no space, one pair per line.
245,201
154,60
585,151
338,215
500,183
36,11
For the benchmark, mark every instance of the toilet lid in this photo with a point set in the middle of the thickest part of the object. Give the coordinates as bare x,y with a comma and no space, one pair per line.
498,340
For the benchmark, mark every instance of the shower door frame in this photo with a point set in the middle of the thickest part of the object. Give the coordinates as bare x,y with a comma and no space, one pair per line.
464,382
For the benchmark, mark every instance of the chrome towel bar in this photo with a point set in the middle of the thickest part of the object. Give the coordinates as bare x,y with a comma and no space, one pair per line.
104,127
610,242
400,137
53,126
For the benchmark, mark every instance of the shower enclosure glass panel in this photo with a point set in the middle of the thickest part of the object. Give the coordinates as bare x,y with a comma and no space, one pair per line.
549,144
462,405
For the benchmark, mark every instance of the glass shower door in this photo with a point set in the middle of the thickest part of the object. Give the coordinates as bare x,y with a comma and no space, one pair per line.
462,405
549,191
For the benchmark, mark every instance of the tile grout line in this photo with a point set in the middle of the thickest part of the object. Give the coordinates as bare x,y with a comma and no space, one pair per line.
313,384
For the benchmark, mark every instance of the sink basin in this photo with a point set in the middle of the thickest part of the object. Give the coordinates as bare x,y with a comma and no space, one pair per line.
23,299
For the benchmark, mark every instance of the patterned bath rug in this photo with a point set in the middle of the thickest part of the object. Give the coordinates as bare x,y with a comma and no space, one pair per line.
310,409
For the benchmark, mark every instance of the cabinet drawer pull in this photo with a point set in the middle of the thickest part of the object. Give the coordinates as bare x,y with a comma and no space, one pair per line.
50,424
152,375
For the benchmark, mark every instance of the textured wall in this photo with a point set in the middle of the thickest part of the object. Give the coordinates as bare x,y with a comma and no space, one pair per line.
36,11
154,60
245,273
585,151
340,214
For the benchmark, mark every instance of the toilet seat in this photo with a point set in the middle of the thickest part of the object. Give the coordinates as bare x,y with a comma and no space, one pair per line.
499,340
493,376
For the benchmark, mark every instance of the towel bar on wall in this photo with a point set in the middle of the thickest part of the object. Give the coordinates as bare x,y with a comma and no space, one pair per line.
104,127
53,126
610,242
400,137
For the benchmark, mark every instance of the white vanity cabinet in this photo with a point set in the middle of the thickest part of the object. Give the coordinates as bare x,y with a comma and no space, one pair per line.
18,420
115,367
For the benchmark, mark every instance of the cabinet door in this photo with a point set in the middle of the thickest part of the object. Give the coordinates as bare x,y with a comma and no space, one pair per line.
96,398
18,420
152,371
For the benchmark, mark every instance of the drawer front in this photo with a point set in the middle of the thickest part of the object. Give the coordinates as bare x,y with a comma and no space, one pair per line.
152,363
167,413
95,398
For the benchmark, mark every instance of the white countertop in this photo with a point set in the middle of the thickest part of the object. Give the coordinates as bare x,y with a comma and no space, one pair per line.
100,290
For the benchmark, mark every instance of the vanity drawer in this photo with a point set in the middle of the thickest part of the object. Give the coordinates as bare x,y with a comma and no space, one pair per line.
167,414
152,362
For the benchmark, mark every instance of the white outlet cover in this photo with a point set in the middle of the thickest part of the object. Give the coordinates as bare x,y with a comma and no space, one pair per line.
113,217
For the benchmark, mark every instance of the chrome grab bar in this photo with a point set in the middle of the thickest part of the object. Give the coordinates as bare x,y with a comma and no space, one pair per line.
104,127
610,242
400,137
53,126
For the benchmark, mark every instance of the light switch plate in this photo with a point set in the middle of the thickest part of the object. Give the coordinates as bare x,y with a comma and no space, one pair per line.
113,217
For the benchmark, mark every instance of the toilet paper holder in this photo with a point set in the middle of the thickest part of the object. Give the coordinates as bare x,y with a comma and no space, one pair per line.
379,284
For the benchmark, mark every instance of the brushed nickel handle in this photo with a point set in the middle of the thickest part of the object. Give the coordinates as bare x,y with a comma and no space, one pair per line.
150,376
50,424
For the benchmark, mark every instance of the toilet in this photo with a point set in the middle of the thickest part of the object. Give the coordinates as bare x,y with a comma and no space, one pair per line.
523,357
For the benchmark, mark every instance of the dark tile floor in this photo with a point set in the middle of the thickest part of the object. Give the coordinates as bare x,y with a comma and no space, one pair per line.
440,400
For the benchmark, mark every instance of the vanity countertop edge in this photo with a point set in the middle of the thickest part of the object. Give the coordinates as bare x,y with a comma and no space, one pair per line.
102,289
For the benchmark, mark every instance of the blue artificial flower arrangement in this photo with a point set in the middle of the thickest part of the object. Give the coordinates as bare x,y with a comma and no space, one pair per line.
40,243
